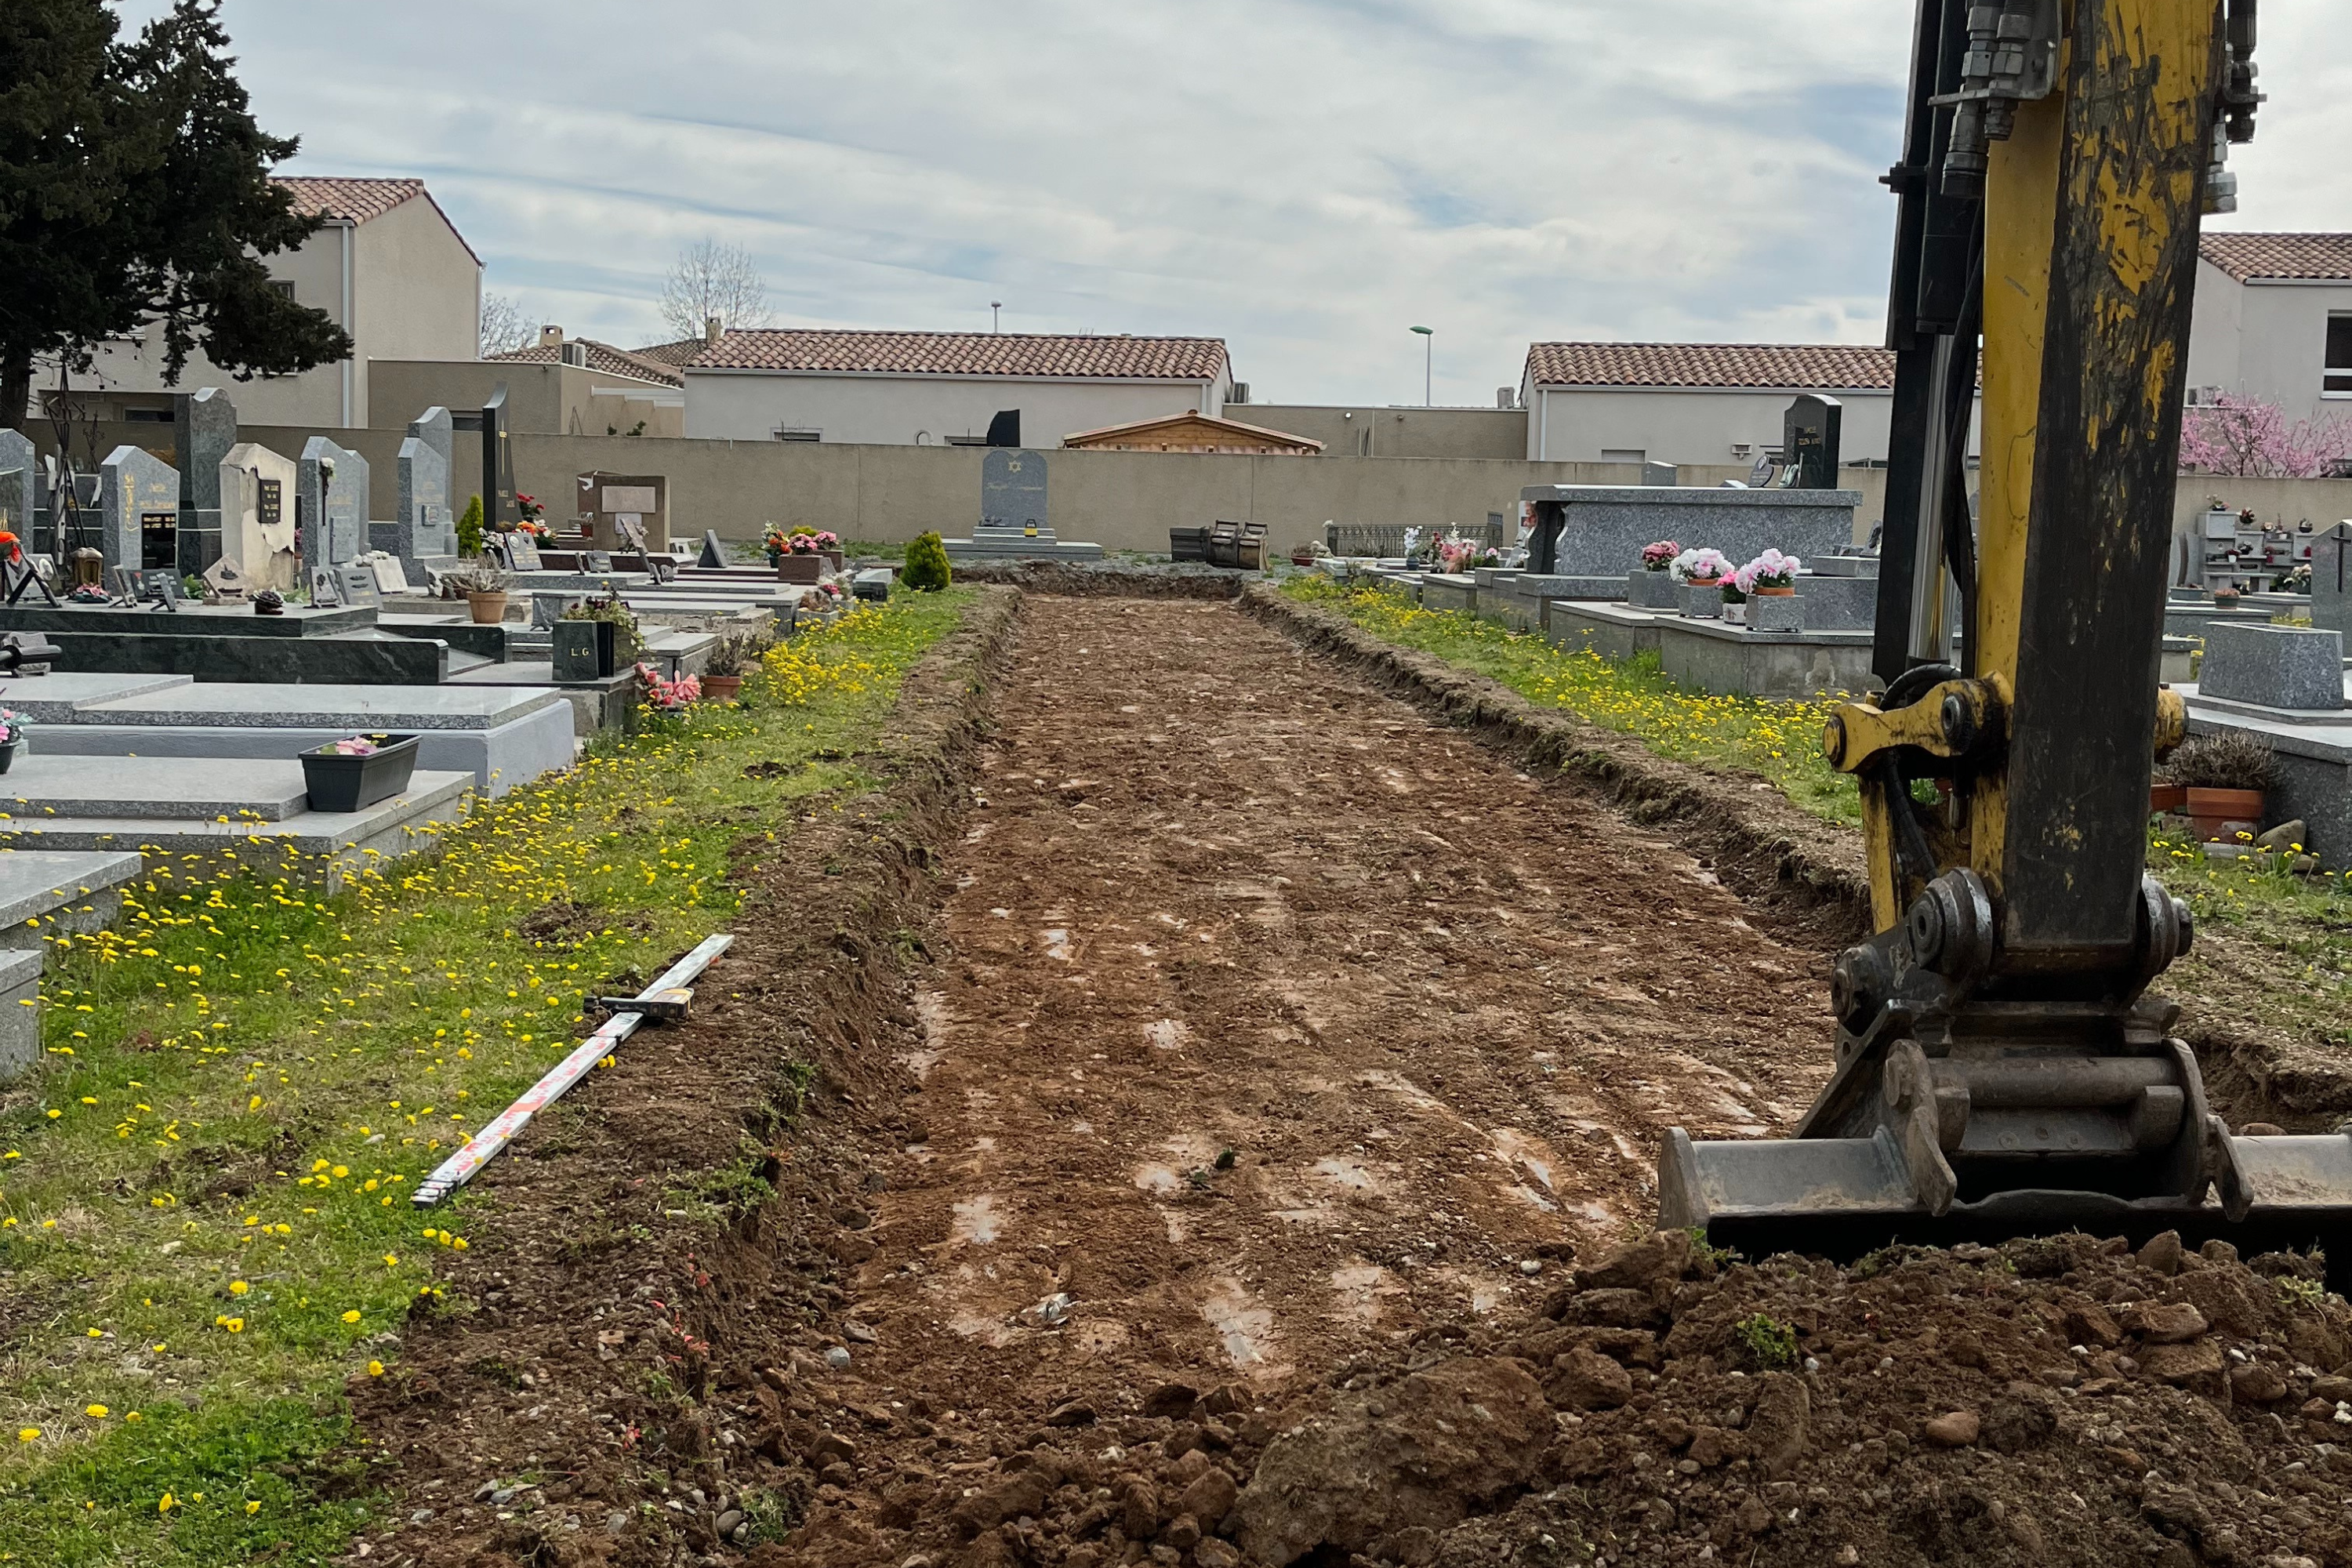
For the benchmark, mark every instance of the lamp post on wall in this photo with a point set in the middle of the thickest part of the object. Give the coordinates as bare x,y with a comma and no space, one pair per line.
1428,342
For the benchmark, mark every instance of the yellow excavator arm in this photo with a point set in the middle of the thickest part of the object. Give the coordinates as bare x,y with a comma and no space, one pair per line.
2001,1066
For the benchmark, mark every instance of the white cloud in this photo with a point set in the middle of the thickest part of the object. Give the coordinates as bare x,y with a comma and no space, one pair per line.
1305,179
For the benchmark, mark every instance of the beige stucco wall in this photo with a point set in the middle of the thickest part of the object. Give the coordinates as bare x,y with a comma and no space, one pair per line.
1687,427
2266,340
541,399
908,410
415,290
1358,430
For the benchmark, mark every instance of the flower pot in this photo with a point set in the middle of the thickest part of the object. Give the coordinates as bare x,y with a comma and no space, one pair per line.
8,754
2164,797
340,783
800,569
1735,612
488,609
2222,813
1788,592
721,688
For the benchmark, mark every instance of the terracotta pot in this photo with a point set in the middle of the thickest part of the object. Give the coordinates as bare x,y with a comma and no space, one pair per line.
2164,797
721,688
2221,813
1787,592
800,569
488,609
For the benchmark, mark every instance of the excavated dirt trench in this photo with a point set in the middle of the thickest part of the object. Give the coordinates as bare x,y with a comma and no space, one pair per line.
1283,1023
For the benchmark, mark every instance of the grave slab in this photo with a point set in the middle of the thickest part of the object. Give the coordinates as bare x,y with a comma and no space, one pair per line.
1613,631
1599,529
2288,667
73,892
1448,591
48,784
55,697
1710,657
20,1025
608,702
314,847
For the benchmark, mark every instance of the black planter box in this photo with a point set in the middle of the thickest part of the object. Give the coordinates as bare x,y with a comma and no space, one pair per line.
340,783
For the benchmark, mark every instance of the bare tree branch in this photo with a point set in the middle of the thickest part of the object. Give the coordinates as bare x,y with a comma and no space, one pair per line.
713,278
506,325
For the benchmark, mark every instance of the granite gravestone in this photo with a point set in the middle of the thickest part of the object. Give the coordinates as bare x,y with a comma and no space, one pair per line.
355,584
2331,579
325,590
331,502
1012,495
1808,440
2294,668
257,494
139,510
20,486
204,425
523,551
500,510
423,530
714,554
613,502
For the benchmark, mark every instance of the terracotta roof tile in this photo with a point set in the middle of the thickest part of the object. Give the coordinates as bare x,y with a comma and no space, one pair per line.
672,355
356,200
2248,257
601,357
965,353
1791,367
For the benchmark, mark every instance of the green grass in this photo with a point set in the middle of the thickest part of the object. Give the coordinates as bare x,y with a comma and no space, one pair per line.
203,1197
1780,741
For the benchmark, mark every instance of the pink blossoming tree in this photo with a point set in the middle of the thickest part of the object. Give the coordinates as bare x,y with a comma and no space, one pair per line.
2250,438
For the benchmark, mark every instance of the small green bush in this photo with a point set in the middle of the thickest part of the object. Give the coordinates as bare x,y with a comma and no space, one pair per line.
927,569
1773,1344
470,528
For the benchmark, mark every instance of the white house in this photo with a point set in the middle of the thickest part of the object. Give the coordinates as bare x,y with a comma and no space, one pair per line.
942,388
389,267
1696,403
2273,321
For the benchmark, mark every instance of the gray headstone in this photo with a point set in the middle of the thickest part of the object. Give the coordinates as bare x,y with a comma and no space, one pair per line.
1648,590
1012,494
325,589
434,428
203,428
333,484
355,584
713,552
1775,613
1597,530
524,553
19,483
138,497
423,525
1835,604
2331,579
2274,666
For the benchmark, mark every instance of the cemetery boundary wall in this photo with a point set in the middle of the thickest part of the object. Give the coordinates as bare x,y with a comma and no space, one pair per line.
1122,500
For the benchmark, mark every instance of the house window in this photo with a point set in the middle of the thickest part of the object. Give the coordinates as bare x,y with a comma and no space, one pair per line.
2337,379
284,286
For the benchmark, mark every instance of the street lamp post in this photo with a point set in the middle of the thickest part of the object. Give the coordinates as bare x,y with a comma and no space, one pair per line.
1428,342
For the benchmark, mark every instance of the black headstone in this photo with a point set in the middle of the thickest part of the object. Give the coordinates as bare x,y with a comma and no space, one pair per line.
713,552
1004,430
1808,440
499,509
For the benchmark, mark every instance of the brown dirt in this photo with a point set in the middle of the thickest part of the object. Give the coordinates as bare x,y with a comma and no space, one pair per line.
1174,1208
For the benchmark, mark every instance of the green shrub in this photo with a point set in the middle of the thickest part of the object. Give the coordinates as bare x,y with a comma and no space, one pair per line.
470,528
927,569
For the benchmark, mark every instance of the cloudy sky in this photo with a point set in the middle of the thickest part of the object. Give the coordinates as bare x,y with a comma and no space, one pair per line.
1304,178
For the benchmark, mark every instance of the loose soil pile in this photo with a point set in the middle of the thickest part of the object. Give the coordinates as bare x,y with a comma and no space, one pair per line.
1216,1191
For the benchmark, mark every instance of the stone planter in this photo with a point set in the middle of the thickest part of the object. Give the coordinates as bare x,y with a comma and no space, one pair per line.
339,783
2223,814
2165,797
1781,612
802,569
1702,601
1647,590
488,609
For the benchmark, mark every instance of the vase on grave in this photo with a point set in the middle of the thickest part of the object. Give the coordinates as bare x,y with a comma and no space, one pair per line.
715,689
488,609
88,568
8,754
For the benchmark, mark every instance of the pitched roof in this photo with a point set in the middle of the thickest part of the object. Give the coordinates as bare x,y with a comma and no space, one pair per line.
1189,420
673,354
1792,367
1022,354
356,200
2248,257
601,357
